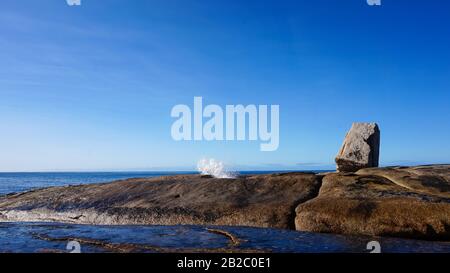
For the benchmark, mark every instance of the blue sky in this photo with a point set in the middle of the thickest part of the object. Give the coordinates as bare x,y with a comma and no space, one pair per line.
91,87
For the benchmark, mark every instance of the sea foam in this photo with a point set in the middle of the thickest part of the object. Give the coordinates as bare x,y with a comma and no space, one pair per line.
214,167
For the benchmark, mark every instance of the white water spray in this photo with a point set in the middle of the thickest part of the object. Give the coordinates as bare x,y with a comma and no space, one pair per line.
213,167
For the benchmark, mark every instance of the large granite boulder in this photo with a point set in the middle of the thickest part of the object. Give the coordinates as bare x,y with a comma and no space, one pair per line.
259,201
398,201
360,148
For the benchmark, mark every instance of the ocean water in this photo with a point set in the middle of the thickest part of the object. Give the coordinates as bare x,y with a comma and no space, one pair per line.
18,182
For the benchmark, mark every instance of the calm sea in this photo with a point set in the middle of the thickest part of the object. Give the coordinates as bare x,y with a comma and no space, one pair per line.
19,182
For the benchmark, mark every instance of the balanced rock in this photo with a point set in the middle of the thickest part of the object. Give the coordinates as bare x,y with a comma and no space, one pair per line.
360,148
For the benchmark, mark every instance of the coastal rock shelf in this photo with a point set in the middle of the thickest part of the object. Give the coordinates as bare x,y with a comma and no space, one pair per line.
260,201
411,202
402,202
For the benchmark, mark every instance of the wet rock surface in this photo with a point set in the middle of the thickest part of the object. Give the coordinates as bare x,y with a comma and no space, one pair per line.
55,237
